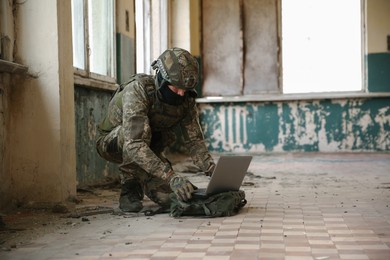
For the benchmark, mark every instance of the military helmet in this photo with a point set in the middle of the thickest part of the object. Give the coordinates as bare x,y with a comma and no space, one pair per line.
178,67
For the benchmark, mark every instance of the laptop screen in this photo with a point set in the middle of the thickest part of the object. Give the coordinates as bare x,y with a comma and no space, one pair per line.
228,174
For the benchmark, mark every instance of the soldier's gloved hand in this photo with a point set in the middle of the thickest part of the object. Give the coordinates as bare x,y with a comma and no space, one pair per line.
210,170
182,187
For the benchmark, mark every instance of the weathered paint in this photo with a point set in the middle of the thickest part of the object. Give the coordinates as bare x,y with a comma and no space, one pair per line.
321,125
90,107
240,47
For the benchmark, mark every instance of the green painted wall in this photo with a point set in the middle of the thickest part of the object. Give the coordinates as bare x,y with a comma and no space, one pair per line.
378,72
90,106
343,125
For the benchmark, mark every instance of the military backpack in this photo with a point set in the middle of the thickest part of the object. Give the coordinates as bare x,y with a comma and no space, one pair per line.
217,205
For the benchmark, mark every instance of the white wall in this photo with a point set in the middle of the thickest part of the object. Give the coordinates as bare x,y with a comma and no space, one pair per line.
42,165
185,25
180,24
378,25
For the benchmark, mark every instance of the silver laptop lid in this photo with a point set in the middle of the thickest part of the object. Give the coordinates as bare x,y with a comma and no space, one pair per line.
228,174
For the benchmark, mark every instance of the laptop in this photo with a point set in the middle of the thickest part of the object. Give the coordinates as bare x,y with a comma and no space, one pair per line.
227,176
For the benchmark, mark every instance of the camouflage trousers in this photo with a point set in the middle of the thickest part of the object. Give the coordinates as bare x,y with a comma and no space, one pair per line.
109,147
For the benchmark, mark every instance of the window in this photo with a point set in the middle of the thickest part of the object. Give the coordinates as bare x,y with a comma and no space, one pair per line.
151,32
321,46
93,38
143,33
240,47
257,47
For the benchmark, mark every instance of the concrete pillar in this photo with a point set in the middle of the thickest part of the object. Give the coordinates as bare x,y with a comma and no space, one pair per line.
42,167
185,25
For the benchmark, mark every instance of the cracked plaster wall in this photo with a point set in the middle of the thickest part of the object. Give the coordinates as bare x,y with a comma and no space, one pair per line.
346,125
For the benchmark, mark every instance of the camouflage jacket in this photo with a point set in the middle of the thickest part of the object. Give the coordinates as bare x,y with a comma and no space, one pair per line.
137,107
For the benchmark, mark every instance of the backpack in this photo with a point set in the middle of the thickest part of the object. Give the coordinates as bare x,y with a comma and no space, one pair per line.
217,205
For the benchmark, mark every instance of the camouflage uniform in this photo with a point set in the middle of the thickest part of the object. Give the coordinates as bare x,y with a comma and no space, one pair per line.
137,129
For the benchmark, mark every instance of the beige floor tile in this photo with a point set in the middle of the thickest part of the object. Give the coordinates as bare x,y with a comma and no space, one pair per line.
318,206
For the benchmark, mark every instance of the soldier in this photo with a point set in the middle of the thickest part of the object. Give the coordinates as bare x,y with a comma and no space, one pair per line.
140,123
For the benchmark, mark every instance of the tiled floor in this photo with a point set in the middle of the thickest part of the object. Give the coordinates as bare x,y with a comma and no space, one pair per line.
309,206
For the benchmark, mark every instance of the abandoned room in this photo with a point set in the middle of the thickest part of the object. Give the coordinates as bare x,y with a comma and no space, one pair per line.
302,87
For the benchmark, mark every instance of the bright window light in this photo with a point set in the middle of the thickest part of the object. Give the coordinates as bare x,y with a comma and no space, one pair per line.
101,36
96,52
78,33
321,46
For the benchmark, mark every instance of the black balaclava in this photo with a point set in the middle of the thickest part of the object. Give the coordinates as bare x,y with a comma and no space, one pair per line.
167,94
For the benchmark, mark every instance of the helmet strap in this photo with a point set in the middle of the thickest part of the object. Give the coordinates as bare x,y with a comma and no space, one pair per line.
160,80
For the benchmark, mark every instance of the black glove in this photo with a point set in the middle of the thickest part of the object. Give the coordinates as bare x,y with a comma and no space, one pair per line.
182,187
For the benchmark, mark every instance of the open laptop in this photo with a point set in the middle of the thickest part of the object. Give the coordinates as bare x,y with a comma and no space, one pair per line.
227,176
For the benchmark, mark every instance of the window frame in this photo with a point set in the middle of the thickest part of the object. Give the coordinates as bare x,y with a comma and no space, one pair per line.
85,77
143,35
152,32
363,88
363,93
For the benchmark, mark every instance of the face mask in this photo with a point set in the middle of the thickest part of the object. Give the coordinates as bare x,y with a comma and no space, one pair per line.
169,96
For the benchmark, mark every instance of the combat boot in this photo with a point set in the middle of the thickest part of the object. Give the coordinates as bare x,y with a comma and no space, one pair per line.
131,196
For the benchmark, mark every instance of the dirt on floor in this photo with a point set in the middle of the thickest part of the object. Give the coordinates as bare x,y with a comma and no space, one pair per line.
23,225
20,226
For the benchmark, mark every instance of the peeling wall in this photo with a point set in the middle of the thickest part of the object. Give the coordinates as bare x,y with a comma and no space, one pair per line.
240,48
325,126
91,105
337,125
